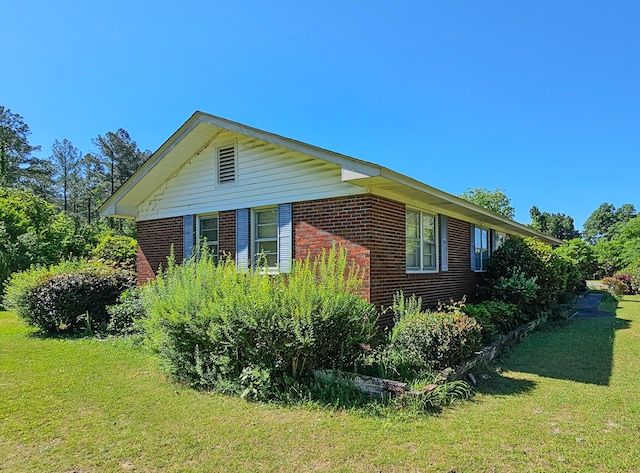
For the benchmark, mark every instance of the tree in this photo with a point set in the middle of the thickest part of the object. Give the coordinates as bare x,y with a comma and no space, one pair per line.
121,156
17,166
558,225
91,188
605,221
66,158
582,255
32,231
496,201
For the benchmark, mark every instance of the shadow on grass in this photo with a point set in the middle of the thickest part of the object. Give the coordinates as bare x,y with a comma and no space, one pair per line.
580,351
497,384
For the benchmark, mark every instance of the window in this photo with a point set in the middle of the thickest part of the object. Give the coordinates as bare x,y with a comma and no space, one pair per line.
270,234
421,247
227,164
208,230
481,245
265,236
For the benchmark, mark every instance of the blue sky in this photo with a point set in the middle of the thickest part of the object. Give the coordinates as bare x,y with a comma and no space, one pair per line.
538,98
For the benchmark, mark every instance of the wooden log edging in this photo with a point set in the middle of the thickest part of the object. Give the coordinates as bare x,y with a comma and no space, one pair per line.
381,387
384,387
490,352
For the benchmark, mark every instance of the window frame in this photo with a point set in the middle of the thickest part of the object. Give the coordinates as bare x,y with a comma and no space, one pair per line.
199,239
255,240
436,242
482,268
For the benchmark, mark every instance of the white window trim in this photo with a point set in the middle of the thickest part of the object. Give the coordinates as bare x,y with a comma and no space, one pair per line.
218,147
253,241
436,241
199,238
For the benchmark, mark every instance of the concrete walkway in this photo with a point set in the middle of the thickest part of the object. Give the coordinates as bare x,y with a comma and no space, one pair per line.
587,307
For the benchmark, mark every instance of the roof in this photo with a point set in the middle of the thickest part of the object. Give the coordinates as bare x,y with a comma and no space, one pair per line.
201,129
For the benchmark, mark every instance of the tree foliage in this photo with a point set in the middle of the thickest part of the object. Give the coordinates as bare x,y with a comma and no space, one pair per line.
496,201
66,159
558,225
48,207
582,255
120,155
32,232
605,221
18,167
620,249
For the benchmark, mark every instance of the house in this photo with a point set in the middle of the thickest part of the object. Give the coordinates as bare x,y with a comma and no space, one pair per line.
249,191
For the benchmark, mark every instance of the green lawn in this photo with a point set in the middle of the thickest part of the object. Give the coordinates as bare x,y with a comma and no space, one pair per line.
564,400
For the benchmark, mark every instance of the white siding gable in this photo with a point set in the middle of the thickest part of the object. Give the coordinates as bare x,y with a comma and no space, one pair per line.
266,174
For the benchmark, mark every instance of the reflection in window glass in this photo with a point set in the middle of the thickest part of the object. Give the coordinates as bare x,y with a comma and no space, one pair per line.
420,241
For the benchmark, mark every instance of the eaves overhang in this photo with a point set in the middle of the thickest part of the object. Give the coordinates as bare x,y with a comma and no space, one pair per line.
396,186
201,129
191,139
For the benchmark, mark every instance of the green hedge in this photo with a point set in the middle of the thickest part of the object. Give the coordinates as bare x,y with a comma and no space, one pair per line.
67,297
496,318
216,328
531,275
118,249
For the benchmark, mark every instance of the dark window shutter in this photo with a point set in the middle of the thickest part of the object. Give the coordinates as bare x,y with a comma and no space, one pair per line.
242,239
444,243
473,247
494,241
188,236
285,234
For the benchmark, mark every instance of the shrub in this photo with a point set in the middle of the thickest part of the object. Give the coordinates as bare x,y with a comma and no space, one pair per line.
480,313
615,286
117,249
531,275
124,315
517,289
427,341
68,296
625,279
217,328
495,317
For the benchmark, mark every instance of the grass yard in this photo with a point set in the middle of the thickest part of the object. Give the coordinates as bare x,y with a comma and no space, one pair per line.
565,400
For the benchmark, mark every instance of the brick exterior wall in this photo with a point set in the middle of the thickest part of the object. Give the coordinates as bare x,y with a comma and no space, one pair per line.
317,224
155,238
388,263
227,233
371,228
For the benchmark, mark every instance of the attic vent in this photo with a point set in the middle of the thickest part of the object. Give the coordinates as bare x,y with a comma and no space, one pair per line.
226,164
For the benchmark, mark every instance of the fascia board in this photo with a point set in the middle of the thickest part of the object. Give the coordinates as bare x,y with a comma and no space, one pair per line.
482,215
150,163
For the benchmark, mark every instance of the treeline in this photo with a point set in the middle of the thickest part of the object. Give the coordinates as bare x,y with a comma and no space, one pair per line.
609,243
48,206
75,182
